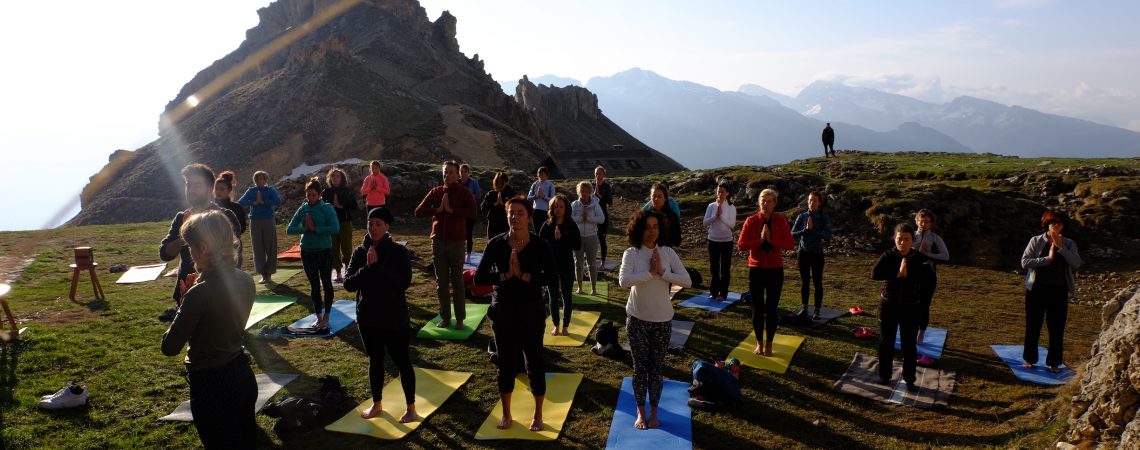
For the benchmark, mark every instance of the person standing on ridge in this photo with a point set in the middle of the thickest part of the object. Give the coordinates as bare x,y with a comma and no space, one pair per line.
828,140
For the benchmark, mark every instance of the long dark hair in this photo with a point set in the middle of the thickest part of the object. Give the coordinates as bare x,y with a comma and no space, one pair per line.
637,224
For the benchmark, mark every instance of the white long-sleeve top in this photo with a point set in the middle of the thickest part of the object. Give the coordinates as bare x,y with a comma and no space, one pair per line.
594,216
648,293
720,227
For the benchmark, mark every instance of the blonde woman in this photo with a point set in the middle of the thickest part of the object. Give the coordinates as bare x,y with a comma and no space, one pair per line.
588,214
765,234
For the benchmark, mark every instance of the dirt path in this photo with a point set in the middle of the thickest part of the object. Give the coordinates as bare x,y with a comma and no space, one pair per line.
12,266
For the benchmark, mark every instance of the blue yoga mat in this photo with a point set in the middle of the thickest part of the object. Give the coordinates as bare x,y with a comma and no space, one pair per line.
676,431
932,343
703,301
1040,374
342,315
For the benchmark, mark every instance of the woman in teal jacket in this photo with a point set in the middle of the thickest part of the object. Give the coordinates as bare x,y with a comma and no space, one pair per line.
316,222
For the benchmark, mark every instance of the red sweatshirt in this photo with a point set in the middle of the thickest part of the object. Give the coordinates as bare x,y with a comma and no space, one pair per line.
449,226
780,239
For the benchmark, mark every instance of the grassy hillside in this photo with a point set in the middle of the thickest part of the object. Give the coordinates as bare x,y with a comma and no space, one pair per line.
112,346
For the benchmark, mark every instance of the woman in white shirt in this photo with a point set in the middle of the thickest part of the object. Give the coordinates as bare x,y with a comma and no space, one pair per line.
587,213
720,218
648,270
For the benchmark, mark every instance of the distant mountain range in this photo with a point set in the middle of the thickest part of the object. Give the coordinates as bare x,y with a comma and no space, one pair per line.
702,127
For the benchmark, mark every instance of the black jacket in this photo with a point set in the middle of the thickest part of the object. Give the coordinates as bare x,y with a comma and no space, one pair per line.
563,248
828,135
185,262
902,290
515,299
496,214
381,299
347,200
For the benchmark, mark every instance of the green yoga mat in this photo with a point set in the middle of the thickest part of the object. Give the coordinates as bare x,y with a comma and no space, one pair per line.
586,299
280,277
475,314
265,306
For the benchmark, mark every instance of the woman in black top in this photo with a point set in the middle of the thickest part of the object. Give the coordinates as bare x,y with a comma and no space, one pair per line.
518,264
1049,261
904,273
223,188
494,203
671,229
380,272
564,238
606,195
343,200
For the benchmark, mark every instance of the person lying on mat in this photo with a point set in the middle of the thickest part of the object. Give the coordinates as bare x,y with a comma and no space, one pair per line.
648,270
765,234
380,272
1049,260
519,264
215,307
905,272
562,235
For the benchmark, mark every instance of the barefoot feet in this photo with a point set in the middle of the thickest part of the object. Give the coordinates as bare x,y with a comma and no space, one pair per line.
536,424
374,411
506,423
409,415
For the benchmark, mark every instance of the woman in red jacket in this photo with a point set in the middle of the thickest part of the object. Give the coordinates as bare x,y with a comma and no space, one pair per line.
764,236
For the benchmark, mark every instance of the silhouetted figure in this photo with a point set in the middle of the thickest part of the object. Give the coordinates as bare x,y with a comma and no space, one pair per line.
828,141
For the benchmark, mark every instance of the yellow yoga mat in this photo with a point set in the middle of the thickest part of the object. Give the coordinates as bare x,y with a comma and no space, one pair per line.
783,347
560,389
581,322
433,387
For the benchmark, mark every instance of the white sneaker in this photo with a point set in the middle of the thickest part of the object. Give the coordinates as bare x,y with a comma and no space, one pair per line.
69,397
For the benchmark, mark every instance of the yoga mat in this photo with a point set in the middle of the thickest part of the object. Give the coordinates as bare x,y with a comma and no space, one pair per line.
475,314
343,314
581,323
610,266
472,262
783,347
293,254
675,432
862,379
586,299
560,389
265,306
1040,374
680,335
703,301
825,315
433,387
932,343
267,385
139,274
280,277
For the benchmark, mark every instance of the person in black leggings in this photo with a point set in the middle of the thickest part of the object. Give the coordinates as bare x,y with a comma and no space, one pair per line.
380,272
519,264
811,230
605,194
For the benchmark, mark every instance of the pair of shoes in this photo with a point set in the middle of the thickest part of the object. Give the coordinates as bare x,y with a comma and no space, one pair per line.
69,397
168,315
864,333
803,311
855,310
925,361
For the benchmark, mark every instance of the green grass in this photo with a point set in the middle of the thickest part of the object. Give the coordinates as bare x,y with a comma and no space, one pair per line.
112,346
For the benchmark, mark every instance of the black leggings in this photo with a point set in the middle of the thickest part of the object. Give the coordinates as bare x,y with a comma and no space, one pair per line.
765,283
811,266
318,268
925,296
516,335
720,264
895,317
1049,305
222,400
396,342
602,229
470,234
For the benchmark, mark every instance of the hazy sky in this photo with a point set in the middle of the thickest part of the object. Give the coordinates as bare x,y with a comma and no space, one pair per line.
83,79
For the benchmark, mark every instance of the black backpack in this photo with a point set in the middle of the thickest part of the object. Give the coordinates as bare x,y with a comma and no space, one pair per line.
695,276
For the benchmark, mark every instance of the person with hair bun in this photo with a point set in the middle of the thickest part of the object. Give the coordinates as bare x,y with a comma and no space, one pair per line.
343,201
223,190
262,201
904,272
216,303
1049,261
316,222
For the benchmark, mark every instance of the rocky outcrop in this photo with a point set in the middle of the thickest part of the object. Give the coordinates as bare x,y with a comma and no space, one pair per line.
1104,408
316,81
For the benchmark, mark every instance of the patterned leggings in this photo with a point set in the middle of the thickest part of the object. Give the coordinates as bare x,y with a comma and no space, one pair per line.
648,342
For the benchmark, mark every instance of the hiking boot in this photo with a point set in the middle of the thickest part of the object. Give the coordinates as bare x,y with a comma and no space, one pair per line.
70,396
168,315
